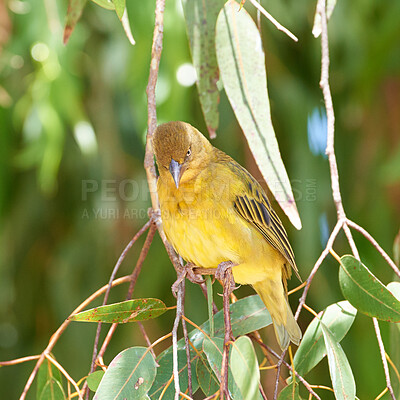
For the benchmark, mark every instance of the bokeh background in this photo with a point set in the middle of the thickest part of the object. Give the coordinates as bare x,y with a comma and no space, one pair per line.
72,184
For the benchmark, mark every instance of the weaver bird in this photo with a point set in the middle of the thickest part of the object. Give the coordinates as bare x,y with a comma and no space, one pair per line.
214,211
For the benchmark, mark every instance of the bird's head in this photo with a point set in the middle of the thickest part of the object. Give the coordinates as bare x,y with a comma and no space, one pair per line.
181,151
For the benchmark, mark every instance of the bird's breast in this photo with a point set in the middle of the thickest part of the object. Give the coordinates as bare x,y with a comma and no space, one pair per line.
202,230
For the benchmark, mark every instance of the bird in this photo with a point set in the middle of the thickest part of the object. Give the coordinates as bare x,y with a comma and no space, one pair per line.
214,211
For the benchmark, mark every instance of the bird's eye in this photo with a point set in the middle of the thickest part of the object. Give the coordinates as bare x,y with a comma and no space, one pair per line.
189,152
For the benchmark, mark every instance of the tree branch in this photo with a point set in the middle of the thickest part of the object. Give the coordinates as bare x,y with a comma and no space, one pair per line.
112,277
383,357
61,329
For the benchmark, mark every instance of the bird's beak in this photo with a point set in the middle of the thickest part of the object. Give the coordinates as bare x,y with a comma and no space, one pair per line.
176,171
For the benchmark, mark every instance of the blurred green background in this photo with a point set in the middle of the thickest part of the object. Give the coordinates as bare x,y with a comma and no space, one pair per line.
72,186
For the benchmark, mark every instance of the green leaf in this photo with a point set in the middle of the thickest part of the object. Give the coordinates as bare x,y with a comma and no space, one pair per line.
338,318
290,393
330,5
126,311
127,28
247,315
119,7
365,292
107,4
129,376
394,288
210,304
93,380
241,62
208,382
165,371
201,17
213,348
74,12
49,382
244,366
339,368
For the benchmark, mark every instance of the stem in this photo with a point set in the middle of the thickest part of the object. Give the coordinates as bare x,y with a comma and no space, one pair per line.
61,329
112,277
228,333
210,304
383,357
179,312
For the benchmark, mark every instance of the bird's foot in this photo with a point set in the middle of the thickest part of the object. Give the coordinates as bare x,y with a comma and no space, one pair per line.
186,272
154,215
222,271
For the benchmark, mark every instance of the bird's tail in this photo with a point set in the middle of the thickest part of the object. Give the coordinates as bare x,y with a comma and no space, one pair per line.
273,296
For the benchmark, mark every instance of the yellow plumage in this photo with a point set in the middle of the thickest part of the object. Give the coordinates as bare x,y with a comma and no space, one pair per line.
213,211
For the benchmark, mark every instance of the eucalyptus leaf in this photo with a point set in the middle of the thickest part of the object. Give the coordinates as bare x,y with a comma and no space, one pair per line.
342,377
126,311
130,375
290,392
119,7
107,4
244,367
165,372
127,27
365,292
49,382
74,12
241,62
93,380
213,348
201,17
208,382
247,315
338,318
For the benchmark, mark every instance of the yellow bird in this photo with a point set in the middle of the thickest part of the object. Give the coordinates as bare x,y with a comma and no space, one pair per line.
214,211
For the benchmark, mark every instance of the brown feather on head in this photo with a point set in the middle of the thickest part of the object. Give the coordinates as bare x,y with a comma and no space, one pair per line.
179,147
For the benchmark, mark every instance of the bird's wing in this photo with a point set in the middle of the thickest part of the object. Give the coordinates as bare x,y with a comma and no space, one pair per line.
254,207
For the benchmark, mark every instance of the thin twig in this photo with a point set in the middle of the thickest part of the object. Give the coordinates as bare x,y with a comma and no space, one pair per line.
330,115
381,394
133,278
187,347
318,263
376,245
228,287
179,312
149,166
147,339
107,340
65,373
140,261
273,20
396,371
54,338
350,239
383,357
276,355
112,277
302,300
18,361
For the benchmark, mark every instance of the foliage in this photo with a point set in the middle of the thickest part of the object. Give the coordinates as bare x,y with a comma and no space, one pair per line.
77,117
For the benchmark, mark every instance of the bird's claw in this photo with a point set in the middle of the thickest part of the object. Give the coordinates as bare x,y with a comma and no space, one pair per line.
186,272
221,272
154,215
